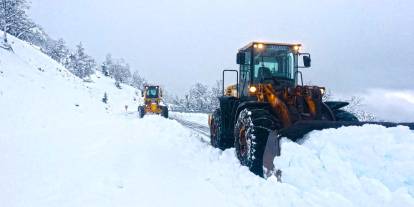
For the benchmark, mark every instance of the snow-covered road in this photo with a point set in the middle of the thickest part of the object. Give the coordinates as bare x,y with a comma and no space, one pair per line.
195,122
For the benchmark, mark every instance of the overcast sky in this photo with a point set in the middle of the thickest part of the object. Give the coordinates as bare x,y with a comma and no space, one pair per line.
354,44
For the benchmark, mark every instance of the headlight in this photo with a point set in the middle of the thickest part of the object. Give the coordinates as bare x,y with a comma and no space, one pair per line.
322,91
252,89
259,45
296,48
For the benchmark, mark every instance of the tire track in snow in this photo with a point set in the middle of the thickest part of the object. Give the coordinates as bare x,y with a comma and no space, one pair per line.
203,131
198,128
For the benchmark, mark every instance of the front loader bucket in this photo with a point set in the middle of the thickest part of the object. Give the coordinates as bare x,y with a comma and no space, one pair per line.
300,128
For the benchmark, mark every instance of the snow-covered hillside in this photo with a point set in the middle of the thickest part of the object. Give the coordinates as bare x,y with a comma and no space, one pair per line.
62,146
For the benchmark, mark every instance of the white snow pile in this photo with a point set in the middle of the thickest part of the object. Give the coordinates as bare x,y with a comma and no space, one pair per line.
62,146
364,166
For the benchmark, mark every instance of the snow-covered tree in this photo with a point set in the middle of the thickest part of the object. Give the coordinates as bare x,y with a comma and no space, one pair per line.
214,93
117,69
58,51
15,21
104,70
14,18
80,63
138,81
198,97
121,71
106,65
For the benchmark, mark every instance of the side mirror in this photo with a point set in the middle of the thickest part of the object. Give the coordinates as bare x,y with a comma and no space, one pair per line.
241,57
142,93
160,93
306,61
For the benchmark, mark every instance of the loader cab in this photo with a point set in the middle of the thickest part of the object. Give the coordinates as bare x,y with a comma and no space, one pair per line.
269,63
152,92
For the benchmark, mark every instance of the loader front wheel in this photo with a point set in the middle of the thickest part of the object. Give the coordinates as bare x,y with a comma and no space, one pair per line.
141,111
250,137
218,138
164,112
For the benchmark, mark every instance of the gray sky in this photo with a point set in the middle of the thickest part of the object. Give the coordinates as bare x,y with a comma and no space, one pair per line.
354,44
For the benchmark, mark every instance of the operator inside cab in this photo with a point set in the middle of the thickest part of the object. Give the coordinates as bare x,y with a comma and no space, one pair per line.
273,62
152,92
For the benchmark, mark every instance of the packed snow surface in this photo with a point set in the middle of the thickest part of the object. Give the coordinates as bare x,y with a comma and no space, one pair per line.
62,146
198,118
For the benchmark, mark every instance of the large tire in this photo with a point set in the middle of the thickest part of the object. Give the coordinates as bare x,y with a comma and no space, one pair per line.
141,111
250,137
164,112
342,115
218,137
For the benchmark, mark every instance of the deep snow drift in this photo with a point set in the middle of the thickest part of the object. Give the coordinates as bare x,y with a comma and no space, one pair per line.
61,146
368,166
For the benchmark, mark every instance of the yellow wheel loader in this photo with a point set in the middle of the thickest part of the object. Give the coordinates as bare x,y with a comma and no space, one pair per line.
153,104
268,102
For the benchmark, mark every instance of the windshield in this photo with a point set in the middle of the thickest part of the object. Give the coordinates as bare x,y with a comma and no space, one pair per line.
152,92
273,63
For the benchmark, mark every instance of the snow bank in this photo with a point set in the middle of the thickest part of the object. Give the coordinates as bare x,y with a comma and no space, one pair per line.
367,166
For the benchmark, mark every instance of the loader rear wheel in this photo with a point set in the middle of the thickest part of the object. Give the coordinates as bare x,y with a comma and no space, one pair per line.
141,111
164,112
250,137
218,138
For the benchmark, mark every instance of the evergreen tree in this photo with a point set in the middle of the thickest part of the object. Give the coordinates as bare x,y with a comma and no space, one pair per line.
105,98
138,81
15,21
198,97
57,50
214,93
12,12
80,63
104,70
14,18
120,71
107,65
